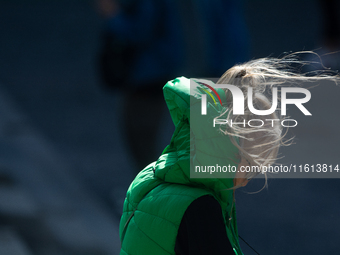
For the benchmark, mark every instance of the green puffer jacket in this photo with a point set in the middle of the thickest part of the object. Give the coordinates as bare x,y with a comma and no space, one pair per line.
160,194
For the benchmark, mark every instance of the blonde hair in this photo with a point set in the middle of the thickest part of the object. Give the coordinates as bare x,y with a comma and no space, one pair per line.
260,145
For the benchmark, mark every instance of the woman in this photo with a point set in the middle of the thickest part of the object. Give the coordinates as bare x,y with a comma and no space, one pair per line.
166,210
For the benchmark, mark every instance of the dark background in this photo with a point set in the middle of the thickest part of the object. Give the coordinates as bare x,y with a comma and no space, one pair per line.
64,168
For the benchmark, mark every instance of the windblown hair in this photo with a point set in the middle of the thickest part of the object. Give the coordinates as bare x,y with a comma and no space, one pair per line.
260,145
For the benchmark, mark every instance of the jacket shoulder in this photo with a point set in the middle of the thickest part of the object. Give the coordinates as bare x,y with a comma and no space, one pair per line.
155,221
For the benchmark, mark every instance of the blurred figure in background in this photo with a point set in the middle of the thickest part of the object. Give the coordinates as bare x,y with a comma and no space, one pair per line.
330,35
148,42
331,24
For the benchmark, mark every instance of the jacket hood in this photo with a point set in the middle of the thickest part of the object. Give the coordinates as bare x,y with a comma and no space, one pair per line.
197,148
